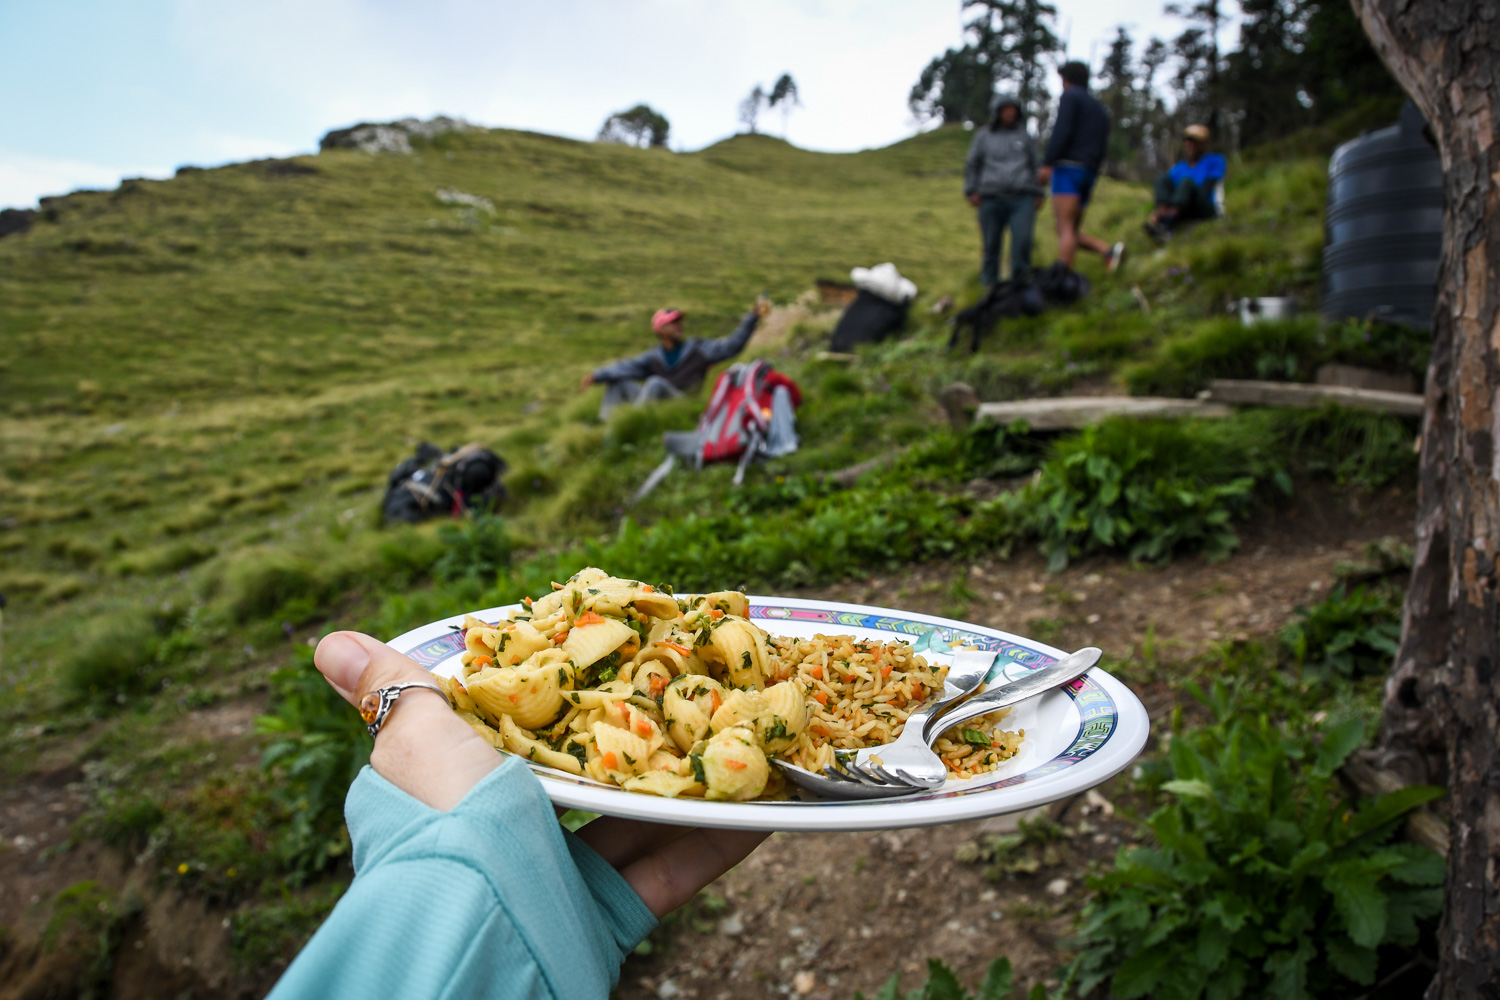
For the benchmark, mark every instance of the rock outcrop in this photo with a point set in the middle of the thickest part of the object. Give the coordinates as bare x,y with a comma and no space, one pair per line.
390,137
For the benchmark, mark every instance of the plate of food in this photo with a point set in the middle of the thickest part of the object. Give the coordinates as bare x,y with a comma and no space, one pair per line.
629,700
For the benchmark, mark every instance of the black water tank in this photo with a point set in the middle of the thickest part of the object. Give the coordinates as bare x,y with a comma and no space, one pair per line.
1384,226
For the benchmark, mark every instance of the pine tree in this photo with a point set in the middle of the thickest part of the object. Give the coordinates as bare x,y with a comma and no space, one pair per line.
1018,36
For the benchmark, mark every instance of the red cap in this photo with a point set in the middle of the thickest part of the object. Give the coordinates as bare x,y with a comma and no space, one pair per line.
663,317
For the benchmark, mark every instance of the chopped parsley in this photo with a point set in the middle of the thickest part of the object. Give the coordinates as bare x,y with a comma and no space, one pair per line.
975,738
696,759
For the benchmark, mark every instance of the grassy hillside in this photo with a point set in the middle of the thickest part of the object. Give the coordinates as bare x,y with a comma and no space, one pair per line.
209,378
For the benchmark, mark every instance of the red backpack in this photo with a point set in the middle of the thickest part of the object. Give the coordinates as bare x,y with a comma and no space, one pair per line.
739,409
742,422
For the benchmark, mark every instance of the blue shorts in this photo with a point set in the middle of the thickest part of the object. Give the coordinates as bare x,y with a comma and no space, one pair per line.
1071,179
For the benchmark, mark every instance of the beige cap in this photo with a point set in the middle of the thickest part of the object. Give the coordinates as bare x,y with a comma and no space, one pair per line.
1197,133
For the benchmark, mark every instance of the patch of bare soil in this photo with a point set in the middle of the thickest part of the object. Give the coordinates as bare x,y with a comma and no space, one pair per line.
823,915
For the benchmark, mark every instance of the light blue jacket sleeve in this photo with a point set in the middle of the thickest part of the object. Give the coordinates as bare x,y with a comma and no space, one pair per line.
493,900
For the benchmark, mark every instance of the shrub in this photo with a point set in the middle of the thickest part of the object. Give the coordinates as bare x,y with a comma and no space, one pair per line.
1227,349
1353,633
317,749
942,984
1353,447
113,660
1149,488
476,546
1266,880
258,584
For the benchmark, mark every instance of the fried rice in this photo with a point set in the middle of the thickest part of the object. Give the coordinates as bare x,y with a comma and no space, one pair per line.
864,690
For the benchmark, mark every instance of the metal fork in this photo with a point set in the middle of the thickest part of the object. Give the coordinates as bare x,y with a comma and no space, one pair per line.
838,785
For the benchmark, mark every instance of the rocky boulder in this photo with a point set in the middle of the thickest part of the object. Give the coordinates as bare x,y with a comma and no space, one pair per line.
390,137
15,220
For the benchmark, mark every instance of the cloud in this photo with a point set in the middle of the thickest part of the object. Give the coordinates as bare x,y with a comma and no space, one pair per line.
24,178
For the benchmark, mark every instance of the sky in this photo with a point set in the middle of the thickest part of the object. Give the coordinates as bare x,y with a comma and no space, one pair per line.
93,91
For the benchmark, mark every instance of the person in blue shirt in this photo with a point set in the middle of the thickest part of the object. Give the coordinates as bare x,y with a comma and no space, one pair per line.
1075,152
465,884
1185,194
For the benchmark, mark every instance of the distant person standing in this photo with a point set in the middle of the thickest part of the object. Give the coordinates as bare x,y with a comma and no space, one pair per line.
1074,155
676,365
1186,193
1000,179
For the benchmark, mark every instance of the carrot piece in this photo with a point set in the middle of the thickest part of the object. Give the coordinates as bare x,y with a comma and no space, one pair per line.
647,588
918,692
821,698
588,618
715,703
643,726
482,661
526,601
658,684
514,700
885,671
715,613
735,765
676,647
559,638
610,761
816,673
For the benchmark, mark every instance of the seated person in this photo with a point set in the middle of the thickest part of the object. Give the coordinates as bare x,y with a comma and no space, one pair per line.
675,366
1186,192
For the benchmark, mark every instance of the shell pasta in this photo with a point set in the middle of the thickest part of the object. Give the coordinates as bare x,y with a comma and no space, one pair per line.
618,681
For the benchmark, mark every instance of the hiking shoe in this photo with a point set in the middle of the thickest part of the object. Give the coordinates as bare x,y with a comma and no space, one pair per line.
1116,257
1159,233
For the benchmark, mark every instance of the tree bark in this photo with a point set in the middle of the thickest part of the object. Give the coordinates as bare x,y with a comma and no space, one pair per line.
1441,718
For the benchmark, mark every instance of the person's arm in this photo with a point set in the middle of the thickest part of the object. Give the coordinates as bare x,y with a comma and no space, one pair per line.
1214,167
466,885
973,166
638,367
1062,129
727,347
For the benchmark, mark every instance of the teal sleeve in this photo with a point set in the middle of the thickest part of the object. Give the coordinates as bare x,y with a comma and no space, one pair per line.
493,899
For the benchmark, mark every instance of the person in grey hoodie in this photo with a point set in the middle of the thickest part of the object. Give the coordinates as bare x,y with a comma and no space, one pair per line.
1000,179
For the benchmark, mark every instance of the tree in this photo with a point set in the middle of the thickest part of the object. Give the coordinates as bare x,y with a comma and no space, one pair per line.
1198,49
1017,36
1119,95
1441,717
750,108
784,95
955,87
640,126
1339,70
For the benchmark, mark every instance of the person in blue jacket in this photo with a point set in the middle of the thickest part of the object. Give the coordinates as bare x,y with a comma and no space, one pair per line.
465,884
1075,152
676,365
1186,192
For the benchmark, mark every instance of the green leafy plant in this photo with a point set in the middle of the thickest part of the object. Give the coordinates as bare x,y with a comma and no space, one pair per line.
1151,489
1266,879
943,984
477,546
317,748
1354,633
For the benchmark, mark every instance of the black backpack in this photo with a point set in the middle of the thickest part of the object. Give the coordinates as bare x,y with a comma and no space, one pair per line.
868,319
1061,285
1004,300
430,483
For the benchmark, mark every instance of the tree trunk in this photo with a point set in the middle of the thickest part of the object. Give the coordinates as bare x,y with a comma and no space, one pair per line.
1441,719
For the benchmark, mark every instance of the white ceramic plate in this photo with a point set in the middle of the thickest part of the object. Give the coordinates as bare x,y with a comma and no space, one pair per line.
1076,737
